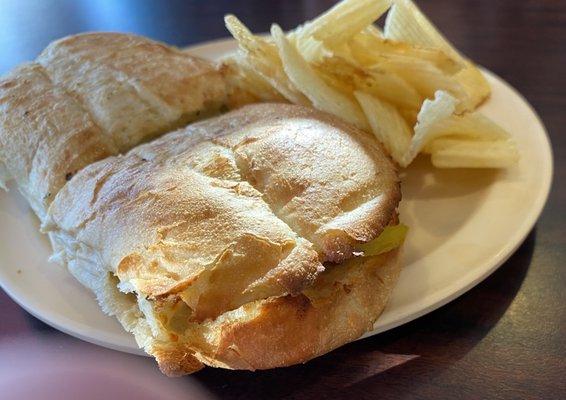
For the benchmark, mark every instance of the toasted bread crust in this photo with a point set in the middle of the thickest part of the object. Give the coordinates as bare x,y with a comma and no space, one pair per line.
330,182
220,230
278,332
336,311
232,209
91,96
45,136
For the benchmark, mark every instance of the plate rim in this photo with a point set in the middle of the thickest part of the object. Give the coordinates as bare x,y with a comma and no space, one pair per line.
527,226
434,301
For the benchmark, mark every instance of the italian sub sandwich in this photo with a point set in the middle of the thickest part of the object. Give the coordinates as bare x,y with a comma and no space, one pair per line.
259,238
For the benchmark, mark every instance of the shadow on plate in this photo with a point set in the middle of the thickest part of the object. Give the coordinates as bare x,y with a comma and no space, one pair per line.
394,363
439,202
422,181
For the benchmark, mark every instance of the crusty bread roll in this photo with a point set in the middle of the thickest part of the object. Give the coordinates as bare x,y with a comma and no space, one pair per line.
208,243
90,96
230,242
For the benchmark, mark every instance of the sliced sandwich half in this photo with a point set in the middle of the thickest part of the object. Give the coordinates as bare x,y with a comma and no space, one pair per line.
235,242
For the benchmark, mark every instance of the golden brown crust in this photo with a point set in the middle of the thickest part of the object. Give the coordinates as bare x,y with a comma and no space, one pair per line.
360,225
330,182
90,96
227,215
337,310
45,136
213,226
166,228
133,87
283,331
171,74
175,360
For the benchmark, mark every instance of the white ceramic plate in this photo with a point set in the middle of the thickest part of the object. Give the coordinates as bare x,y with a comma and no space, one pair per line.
463,225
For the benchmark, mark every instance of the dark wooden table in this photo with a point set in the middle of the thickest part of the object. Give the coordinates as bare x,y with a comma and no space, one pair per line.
504,339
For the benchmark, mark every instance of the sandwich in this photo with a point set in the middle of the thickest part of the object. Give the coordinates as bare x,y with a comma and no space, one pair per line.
90,96
257,238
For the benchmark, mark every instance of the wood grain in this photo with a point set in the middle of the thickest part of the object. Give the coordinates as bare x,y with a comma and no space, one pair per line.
504,339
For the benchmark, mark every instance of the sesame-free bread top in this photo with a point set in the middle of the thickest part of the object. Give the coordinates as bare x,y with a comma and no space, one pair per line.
234,211
94,95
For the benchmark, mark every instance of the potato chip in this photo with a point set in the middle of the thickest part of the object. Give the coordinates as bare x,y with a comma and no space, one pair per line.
406,23
432,113
467,153
264,58
370,49
471,126
376,81
424,77
312,50
344,20
343,64
409,115
238,92
475,84
244,84
373,31
447,136
305,78
387,124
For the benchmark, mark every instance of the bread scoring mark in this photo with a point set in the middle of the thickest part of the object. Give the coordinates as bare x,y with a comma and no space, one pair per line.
78,101
65,68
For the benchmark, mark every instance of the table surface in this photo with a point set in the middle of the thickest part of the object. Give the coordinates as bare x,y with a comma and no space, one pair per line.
503,339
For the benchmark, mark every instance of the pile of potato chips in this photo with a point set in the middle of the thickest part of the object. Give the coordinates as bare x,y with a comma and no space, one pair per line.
406,84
